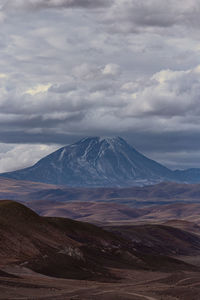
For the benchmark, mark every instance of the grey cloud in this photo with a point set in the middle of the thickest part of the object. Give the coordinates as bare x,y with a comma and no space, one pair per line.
45,136
38,121
62,88
152,99
103,86
93,71
44,4
134,16
152,13
149,103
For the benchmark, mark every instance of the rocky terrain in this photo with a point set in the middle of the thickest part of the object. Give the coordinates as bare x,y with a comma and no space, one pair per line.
58,258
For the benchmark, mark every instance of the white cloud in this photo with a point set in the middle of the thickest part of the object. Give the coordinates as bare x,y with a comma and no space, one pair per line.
166,94
13,157
111,69
40,88
3,76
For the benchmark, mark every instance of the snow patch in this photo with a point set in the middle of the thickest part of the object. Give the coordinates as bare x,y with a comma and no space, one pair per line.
62,154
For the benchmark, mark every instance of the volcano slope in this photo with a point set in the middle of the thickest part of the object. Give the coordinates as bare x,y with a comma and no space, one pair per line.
56,258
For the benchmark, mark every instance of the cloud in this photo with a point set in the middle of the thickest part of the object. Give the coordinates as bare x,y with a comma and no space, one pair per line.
86,71
57,4
124,16
2,17
111,70
90,100
127,68
40,88
92,71
132,16
3,76
168,99
13,157
61,88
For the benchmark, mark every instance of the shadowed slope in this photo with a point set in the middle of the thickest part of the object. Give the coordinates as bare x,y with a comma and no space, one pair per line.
69,249
57,247
157,239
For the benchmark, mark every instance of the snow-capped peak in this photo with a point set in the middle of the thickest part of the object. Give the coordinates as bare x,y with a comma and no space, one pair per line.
108,139
102,139
95,161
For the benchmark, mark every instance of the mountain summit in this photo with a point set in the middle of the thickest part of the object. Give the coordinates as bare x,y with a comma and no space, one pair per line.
93,162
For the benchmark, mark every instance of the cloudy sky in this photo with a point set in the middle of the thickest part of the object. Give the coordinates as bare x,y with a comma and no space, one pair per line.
75,68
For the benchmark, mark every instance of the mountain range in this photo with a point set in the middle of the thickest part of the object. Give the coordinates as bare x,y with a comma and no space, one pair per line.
101,162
